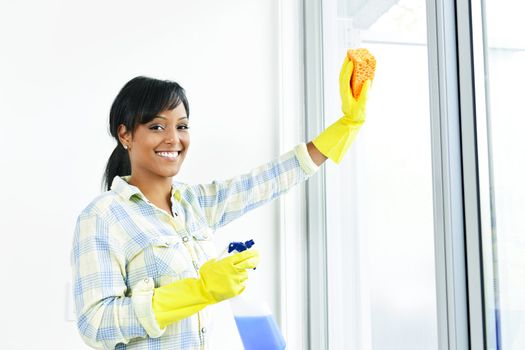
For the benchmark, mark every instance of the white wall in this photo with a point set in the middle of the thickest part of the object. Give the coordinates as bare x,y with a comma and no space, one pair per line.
61,65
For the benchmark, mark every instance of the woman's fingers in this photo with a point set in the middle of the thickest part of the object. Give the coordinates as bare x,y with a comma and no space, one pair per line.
247,259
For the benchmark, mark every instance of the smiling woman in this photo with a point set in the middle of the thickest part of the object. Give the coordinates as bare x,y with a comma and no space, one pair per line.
144,263
143,255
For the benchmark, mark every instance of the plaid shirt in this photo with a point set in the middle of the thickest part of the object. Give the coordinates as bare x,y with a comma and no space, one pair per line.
124,247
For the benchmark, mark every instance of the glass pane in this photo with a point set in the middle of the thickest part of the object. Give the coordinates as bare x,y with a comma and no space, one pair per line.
504,28
385,191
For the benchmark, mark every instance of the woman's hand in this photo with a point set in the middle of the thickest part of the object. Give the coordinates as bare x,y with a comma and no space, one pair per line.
218,280
334,141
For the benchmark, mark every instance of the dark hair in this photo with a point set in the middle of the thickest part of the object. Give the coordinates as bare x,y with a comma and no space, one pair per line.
139,101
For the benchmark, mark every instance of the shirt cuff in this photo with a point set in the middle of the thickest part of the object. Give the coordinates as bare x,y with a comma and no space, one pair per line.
141,298
306,162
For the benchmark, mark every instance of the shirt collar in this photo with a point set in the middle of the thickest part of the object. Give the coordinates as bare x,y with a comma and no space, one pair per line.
121,187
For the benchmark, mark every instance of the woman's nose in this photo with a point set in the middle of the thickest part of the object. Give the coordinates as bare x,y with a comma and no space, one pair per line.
172,137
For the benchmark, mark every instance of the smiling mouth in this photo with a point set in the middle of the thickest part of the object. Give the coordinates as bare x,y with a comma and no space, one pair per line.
168,155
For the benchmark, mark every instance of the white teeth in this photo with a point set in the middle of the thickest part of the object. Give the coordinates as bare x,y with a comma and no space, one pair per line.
168,154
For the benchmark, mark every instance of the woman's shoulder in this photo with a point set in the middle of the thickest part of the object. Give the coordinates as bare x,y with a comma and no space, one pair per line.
101,205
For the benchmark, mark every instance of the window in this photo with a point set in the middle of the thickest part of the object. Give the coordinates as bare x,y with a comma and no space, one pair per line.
423,238
380,231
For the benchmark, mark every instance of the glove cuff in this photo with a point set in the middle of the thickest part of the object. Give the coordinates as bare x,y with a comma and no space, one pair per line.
178,300
334,141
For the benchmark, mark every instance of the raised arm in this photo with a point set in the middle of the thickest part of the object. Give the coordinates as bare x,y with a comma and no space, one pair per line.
224,201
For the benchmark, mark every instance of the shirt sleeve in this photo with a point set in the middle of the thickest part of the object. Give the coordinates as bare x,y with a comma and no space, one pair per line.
224,201
105,315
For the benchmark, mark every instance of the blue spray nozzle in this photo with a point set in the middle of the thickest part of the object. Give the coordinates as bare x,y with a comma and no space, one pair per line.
249,243
240,246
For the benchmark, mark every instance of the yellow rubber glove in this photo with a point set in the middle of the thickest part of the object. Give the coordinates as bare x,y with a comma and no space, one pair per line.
334,141
219,280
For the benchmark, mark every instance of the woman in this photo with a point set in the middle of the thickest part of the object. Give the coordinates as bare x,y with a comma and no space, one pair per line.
143,259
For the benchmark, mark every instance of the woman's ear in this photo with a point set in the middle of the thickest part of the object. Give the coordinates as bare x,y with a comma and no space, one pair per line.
124,136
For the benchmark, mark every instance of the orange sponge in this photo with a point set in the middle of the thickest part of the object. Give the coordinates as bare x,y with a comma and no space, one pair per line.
364,69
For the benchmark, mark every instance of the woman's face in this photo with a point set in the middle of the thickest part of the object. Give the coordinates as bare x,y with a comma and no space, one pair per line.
158,148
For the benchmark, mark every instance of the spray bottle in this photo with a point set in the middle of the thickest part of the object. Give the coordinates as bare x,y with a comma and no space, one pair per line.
254,320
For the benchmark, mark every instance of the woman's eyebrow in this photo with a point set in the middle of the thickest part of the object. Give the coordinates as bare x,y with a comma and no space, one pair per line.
162,117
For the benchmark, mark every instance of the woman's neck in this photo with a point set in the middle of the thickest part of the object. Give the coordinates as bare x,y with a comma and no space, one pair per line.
157,191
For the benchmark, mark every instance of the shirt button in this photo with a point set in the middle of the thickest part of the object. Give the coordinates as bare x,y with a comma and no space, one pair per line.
203,330
185,239
146,280
167,243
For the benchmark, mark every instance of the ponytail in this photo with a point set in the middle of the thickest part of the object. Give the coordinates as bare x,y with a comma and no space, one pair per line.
118,165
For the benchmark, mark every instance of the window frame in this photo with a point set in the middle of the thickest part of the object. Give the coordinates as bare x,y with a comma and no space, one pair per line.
318,318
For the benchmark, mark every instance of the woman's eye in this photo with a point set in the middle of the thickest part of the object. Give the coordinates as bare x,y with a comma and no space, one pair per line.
156,127
183,127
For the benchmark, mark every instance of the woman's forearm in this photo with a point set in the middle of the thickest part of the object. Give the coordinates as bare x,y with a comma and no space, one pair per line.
316,156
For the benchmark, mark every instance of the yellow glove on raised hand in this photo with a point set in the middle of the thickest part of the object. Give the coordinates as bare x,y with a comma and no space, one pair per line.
334,141
219,280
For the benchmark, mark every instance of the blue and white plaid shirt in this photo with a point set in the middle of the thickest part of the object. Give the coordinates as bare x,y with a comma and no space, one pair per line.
124,247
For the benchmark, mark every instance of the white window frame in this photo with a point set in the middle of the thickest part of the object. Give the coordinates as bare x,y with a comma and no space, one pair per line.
293,317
